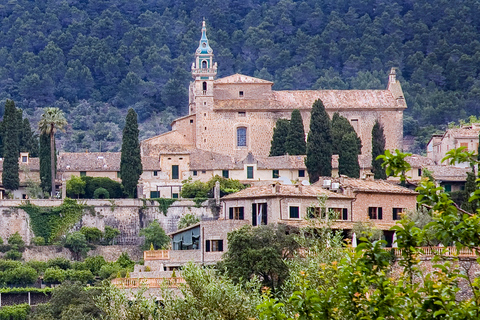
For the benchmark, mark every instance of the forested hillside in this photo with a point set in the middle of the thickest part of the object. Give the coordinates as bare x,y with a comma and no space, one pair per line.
96,58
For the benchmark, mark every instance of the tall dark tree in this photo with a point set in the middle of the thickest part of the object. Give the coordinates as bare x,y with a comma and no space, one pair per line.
378,148
28,139
131,162
295,142
10,178
340,127
470,187
52,120
280,132
348,156
45,163
319,143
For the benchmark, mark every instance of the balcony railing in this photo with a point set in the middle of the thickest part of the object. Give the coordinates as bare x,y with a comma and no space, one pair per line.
126,283
444,251
156,255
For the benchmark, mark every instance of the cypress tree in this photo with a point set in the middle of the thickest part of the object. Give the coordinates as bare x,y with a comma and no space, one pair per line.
28,140
131,161
319,143
10,178
295,142
280,132
348,156
378,148
470,187
44,155
340,127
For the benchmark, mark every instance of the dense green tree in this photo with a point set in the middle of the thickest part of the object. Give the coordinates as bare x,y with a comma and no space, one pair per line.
45,163
378,148
154,235
295,142
92,234
340,127
260,252
28,140
348,156
319,143
10,178
52,119
77,243
280,133
75,186
131,162
470,187
109,234
187,220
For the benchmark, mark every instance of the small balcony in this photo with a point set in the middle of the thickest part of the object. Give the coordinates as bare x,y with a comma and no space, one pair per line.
156,255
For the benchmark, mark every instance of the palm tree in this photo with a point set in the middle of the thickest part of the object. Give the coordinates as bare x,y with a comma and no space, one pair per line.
52,119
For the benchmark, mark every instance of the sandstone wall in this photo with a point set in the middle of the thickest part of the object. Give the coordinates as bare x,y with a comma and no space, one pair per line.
127,215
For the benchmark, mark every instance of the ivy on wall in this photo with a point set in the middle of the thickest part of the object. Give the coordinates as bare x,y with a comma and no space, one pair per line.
52,222
164,204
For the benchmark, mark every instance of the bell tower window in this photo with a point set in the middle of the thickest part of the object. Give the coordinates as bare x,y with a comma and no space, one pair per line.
241,137
204,64
204,87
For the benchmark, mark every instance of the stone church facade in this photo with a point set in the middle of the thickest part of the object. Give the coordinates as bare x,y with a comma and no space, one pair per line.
236,115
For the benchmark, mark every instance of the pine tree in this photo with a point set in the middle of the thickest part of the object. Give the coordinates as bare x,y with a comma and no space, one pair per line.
378,148
340,127
279,137
44,155
348,156
10,178
319,143
131,162
295,142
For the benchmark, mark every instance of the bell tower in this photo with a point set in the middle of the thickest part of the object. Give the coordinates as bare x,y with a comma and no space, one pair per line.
204,71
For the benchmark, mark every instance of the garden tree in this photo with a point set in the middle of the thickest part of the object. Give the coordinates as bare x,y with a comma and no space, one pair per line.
77,243
295,140
45,163
131,162
348,156
69,301
204,296
16,241
52,119
260,252
20,276
378,148
154,235
92,234
187,220
319,143
340,127
75,186
10,178
109,234
280,132
124,261
114,188
470,187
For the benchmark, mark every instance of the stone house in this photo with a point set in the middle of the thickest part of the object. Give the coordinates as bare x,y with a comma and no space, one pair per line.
465,136
29,171
235,115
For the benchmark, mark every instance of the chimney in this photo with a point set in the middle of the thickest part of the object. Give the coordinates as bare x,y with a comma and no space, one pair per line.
276,188
369,176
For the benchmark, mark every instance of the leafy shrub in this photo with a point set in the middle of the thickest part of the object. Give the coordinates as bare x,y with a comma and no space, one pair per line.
195,189
187,220
23,275
92,234
75,187
101,193
39,266
227,186
115,189
54,276
124,261
16,242
109,271
15,312
154,234
38,241
78,265
83,276
77,243
110,234
94,264
1,241
9,264
61,263
13,255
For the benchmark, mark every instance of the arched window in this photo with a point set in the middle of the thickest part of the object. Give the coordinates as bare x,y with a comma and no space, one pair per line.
241,137
204,85
204,64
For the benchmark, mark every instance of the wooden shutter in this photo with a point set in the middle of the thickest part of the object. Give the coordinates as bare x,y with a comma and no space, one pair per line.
345,214
220,245
207,245
379,213
254,214
241,215
230,213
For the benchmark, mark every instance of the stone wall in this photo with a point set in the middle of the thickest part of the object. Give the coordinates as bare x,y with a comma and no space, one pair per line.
110,253
127,215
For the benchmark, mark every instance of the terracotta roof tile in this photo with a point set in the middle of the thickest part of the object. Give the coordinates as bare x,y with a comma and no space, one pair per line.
240,78
448,173
418,161
283,190
365,185
89,161
33,164
207,160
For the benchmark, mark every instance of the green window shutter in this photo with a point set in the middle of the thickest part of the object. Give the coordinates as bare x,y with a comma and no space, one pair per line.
275,174
175,172
249,172
225,174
